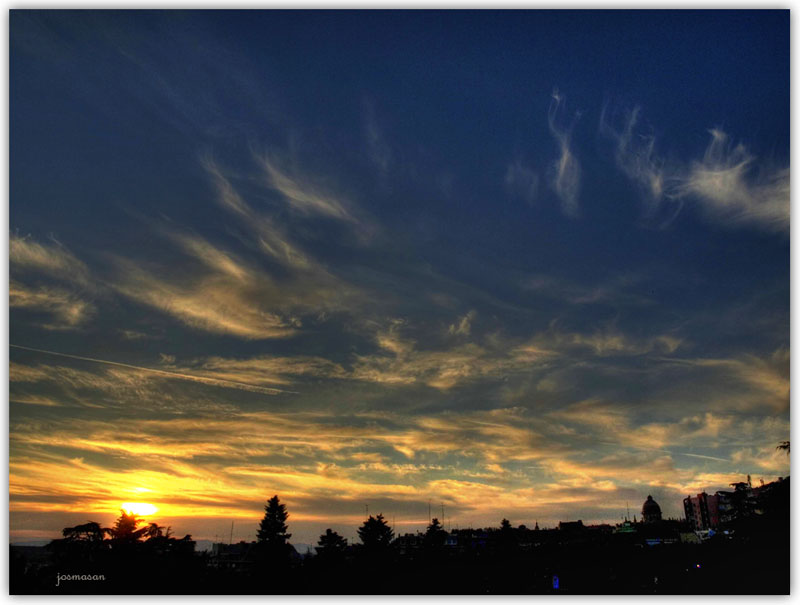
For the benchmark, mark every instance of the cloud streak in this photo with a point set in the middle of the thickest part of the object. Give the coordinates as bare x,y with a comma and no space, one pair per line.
301,196
54,260
166,373
378,150
34,269
566,171
66,309
210,303
636,158
269,238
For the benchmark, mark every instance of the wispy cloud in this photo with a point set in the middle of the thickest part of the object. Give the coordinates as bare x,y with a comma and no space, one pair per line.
220,261
765,377
54,259
566,172
729,183
438,369
66,309
624,289
135,335
606,340
401,363
616,423
270,239
767,458
208,303
220,292
637,159
35,267
22,374
265,370
302,196
378,150
36,400
463,325
732,188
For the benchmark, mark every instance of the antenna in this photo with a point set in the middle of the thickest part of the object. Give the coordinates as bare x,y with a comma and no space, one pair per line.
429,512
628,516
231,540
442,515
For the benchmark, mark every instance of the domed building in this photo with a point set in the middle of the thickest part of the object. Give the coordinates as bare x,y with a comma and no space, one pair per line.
651,511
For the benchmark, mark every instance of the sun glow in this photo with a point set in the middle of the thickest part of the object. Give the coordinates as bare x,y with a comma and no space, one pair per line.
141,509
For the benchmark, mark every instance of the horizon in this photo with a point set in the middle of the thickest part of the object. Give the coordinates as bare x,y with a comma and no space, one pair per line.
309,536
530,265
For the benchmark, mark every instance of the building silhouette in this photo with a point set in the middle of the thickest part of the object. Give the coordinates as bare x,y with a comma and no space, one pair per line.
651,511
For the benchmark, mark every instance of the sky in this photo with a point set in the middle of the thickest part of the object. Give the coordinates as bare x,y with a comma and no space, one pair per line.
518,264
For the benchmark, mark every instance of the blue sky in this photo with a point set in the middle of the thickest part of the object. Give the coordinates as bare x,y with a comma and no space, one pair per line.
531,264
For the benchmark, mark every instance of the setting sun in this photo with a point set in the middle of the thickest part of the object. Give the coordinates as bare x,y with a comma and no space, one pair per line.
142,509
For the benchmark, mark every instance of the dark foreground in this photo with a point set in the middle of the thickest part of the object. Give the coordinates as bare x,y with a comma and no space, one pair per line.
753,559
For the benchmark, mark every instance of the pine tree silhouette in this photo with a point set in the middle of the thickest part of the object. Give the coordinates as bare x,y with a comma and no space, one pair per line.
272,529
435,535
375,533
331,544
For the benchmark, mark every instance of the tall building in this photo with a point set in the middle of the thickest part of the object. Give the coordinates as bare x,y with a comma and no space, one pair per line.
703,511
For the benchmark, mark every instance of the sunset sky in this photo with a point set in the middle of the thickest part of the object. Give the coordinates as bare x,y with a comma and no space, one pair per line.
531,265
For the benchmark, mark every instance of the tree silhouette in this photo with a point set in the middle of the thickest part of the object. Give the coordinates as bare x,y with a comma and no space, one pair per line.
331,544
89,532
784,445
272,529
272,547
80,543
375,533
435,535
507,539
125,528
154,530
133,555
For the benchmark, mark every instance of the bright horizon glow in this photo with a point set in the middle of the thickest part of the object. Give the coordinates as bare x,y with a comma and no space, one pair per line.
142,509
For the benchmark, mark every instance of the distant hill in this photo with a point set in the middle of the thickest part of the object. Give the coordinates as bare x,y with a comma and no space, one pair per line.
303,548
33,542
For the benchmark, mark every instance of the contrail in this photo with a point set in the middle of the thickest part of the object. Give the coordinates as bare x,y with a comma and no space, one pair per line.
204,379
704,457
670,452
